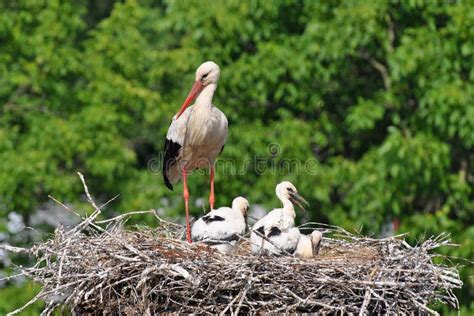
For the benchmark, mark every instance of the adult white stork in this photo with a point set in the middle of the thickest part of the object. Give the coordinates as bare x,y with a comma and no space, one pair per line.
308,246
275,232
222,228
196,136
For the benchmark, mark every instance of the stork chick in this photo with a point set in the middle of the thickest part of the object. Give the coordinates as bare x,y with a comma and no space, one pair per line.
222,228
308,246
274,233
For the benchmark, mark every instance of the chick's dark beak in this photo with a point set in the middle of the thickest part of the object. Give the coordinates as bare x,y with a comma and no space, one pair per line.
298,200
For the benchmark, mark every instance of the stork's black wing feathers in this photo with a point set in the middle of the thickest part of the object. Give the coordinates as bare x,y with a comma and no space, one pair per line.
222,149
290,250
171,151
228,239
261,230
274,231
215,218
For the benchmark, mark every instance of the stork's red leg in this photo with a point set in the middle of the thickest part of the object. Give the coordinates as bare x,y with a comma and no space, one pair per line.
211,195
186,203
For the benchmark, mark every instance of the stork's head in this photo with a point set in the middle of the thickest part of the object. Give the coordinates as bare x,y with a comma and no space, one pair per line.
241,204
206,74
316,237
287,191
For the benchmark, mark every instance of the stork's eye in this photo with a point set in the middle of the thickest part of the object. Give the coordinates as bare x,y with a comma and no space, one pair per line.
291,190
247,209
204,76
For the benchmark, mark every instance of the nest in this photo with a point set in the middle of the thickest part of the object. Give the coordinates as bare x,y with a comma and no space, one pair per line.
99,267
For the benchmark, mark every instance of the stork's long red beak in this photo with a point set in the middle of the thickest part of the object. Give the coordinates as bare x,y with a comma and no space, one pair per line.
195,90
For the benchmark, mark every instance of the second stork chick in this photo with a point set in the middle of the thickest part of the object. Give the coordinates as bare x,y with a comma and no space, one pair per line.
222,228
308,246
275,232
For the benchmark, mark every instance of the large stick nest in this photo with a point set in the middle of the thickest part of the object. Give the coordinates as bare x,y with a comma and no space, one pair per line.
100,267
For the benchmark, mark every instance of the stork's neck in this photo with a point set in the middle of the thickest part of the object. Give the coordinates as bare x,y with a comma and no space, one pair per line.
288,207
205,97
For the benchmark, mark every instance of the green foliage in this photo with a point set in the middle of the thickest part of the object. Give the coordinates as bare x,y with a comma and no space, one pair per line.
13,295
374,101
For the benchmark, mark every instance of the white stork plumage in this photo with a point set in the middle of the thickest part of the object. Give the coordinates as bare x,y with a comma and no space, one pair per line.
222,228
308,246
278,225
196,136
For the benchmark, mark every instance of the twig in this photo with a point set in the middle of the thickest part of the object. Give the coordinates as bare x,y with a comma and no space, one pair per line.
14,249
363,309
86,190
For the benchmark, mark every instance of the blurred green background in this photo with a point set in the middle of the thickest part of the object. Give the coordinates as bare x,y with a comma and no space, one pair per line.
373,100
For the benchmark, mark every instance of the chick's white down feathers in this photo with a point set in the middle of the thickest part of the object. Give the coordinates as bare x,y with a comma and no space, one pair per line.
222,227
308,246
279,236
